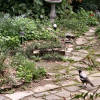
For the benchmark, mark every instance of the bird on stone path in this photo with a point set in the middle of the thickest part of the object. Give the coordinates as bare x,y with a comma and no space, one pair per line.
84,78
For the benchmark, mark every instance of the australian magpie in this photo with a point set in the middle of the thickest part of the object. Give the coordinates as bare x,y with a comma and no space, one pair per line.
84,78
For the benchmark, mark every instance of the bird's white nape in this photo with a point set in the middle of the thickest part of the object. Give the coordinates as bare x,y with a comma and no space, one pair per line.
55,25
83,74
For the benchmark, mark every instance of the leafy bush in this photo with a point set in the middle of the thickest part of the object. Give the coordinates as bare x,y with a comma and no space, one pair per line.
98,31
88,17
90,4
12,29
28,72
26,69
78,22
53,57
2,59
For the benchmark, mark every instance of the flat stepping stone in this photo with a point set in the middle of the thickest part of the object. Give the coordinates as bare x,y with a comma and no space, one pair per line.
31,98
80,65
45,88
63,93
97,52
4,98
95,75
67,83
81,41
41,94
79,55
72,88
97,60
52,97
19,95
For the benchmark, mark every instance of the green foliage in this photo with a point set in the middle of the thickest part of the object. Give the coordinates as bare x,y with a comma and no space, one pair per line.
98,31
27,7
11,29
53,57
87,17
2,59
26,69
28,72
90,4
78,22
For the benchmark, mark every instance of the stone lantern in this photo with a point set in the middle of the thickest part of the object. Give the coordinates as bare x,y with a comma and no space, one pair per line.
53,9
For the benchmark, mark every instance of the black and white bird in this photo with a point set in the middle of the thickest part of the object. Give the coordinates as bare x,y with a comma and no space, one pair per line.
55,26
84,78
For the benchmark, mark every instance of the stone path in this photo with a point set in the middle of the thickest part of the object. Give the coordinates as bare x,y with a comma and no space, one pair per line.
84,54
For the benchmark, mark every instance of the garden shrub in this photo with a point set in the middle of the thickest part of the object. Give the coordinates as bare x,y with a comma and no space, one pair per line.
80,21
12,29
87,17
53,57
26,69
98,32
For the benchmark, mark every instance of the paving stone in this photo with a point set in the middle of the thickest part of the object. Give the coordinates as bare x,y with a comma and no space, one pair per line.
53,91
4,98
90,33
31,98
90,38
41,94
72,88
73,72
92,42
52,97
63,71
90,88
19,95
80,65
83,91
81,40
63,93
45,88
67,82
98,98
77,56
97,52
69,50
95,75
96,81
97,60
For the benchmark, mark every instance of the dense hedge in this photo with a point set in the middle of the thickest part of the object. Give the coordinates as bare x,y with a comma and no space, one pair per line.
28,7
